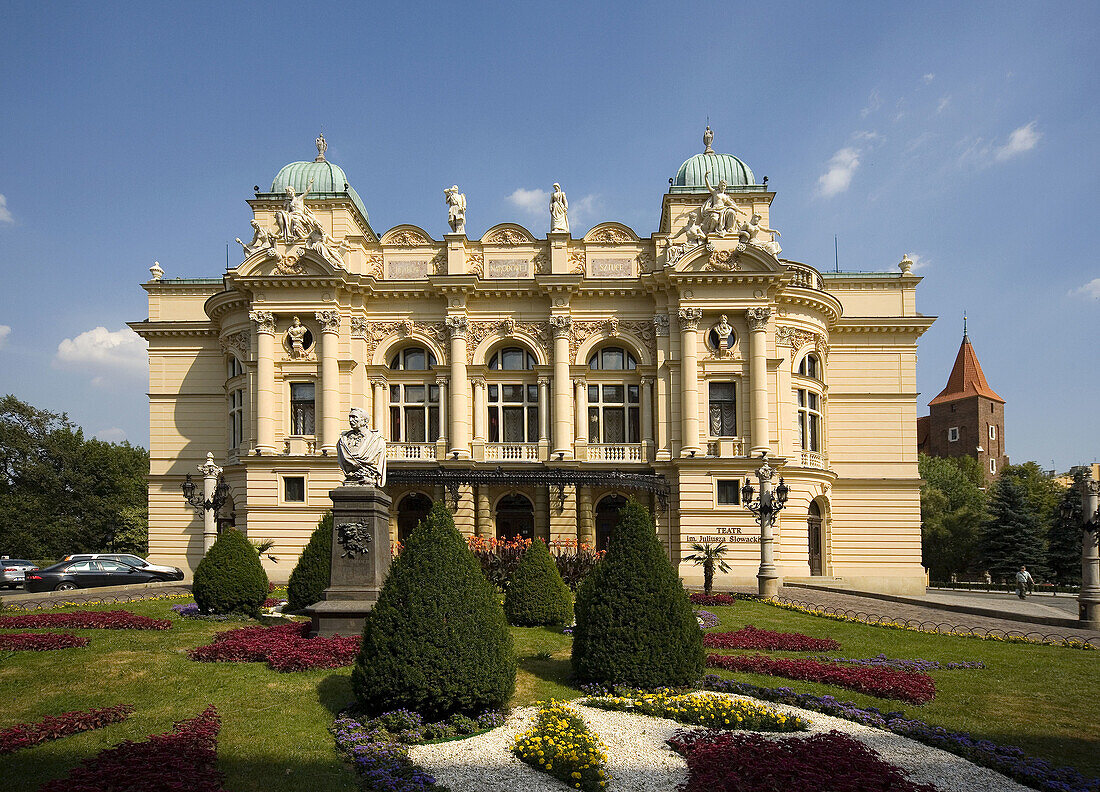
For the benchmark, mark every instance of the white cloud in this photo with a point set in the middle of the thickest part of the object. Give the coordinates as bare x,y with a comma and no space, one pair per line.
112,435
533,202
5,331
944,102
928,78
1022,139
585,209
1090,290
839,174
919,261
103,352
874,102
5,213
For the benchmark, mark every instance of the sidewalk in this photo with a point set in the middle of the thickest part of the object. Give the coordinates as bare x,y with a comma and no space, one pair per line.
104,594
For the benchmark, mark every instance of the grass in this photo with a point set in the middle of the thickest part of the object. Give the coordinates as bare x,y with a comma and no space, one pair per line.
274,733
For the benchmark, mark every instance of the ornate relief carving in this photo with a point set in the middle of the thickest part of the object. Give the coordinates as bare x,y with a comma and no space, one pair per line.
613,327
507,236
377,332
542,263
290,264
457,326
238,344
475,263
724,260
645,261
265,321
438,264
560,325
758,318
689,318
610,235
660,325
330,321
673,253
407,239
479,331
359,327
375,265
796,338
576,262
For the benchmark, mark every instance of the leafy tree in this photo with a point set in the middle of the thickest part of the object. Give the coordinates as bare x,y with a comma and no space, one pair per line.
537,594
709,556
1064,536
311,575
635,625
952,510
436,642
230,577
1012,535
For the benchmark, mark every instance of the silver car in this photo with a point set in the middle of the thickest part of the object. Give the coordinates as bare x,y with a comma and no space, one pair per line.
126,558
14,570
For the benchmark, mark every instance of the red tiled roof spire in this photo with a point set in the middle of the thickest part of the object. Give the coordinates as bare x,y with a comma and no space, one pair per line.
966,377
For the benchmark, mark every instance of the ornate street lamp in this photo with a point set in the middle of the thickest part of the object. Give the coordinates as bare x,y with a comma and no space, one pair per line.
215,491
765,510
1088,599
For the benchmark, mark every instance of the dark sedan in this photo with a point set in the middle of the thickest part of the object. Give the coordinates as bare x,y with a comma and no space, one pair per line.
70,575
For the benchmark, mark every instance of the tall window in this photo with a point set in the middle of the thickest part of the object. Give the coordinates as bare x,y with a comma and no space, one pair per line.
234,367
614,409
414,413
809,420
513,400
236,417
723,409
303,410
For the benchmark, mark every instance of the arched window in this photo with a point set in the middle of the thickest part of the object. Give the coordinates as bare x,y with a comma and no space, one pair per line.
810,367
612,359
512,359
411,511
414,398
614,399
413,359
513,399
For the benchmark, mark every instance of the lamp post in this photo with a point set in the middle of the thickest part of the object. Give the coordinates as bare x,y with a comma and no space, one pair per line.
765,510
214,494
1088,598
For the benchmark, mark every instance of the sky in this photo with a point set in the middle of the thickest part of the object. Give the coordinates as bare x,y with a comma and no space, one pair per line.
963,134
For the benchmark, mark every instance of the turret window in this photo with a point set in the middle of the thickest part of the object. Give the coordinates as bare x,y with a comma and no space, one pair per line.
303,409
810,367
809,420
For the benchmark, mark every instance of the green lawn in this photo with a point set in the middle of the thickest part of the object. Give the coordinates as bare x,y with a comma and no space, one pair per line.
274,726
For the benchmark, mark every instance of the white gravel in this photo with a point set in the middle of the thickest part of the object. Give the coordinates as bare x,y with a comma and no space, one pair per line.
640,760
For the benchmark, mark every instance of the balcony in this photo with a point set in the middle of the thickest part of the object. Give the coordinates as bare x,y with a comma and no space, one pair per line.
511,452
411,451
615,452
812,459
726,447
806,277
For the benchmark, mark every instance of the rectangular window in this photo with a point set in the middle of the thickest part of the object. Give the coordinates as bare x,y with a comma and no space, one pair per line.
992,432
414,413
953,434
303,409
993,466
809,420
513,413
236,418
294,489
723,410
729,492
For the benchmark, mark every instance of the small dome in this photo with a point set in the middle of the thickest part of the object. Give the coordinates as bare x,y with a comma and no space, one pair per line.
328,179
690,177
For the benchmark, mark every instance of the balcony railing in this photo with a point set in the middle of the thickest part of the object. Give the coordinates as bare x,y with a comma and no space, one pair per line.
804,276
726,447
615,452
425,451
511,452
812,459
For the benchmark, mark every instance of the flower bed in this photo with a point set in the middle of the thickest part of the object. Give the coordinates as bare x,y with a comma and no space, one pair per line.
751,638
882,661
712,599
284,647
182,760
881,682
561,745
700,709
54,727
719,761
84,620
500,557
706,619
1006,759
40,642
191,610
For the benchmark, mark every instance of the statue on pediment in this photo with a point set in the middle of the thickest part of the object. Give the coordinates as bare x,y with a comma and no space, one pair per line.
559,210
262,239
326,247
456,209
755,234
718,215
296,220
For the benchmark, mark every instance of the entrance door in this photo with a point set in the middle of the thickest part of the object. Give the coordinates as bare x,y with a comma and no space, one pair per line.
411,510
813,529
607,517
515,518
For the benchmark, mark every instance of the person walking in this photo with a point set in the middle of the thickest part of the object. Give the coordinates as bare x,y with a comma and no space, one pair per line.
1024,582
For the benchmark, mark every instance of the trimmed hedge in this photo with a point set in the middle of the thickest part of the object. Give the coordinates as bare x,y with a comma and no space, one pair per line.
230,578
538,595
311,575
635,625
436,642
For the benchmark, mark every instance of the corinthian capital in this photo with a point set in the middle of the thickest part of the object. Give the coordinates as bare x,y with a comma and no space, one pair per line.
561,326
265,321
330,321
456,326
689,318
758,318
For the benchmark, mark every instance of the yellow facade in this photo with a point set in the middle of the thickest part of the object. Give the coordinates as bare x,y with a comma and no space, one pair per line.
564,370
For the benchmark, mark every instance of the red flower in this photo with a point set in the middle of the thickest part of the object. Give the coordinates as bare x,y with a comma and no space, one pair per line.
285,647
751,638
54,726
85,620
40,642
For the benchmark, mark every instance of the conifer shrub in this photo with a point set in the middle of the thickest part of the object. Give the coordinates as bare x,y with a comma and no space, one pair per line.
230,578
436,642
635,625
538,595
311,575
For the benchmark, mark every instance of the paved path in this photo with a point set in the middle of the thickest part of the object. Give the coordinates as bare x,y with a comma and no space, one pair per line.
1058,605
100,594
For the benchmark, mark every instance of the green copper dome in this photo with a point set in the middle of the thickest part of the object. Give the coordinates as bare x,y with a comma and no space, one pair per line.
691,176
322,178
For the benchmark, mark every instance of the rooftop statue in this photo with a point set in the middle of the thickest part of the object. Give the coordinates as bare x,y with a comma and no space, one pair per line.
757,235
262,239
296,220
719,213
361,452
559,210
456,209
322,147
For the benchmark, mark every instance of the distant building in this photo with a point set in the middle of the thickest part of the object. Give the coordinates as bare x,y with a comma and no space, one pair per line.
967,418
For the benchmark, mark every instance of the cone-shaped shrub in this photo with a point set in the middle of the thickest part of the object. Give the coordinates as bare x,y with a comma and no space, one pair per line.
635,625
230,578
436,642
537,594
311,576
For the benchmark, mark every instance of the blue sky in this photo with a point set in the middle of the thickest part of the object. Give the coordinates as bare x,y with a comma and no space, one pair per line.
964,134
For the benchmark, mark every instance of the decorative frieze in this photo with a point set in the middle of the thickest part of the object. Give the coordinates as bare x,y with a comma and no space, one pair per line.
457,326
506,236
660,325
542,263
611,235
724,260
576,262
478,331
475,263
377,332
560,326
238,344
612,327
796,338
359,327
438,264
407,239
645,262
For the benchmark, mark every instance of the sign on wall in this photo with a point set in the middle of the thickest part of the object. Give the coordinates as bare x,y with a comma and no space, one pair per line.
508,268
404,269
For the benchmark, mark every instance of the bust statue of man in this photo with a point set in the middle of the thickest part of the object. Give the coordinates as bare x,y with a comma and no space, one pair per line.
361,452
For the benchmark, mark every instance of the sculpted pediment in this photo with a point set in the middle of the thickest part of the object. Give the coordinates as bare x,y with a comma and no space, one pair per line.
610,233
721,255
299,262
507,234
407,235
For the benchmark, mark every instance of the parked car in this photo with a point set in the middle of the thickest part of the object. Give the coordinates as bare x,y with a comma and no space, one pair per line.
12,571
92,573
126,558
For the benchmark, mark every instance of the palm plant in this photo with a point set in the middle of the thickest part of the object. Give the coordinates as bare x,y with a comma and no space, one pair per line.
710,556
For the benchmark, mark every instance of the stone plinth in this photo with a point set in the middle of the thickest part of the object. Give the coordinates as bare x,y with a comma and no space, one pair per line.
360,560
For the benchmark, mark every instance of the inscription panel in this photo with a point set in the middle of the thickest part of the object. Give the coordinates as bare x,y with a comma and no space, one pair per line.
610,267
406,269
508,268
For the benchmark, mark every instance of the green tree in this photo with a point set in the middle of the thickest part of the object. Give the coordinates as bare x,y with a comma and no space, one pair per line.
1012,536
537,594
1043,492
635,625
709,557
311,575
436,642
1064,536
230,577
953,507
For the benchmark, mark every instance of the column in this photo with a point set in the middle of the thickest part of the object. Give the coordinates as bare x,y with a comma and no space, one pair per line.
265,380
460,389
360,383
378,401
1089,596
581,424
647,418
689,379
544,415
586,520
664,445
563,414
758,378
441,441
210,473
479,409
330,379
483,523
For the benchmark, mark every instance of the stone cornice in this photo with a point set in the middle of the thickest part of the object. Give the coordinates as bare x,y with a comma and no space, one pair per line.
914,325
149,329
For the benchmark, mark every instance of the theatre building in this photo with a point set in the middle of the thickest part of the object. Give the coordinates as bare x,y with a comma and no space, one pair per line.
533,381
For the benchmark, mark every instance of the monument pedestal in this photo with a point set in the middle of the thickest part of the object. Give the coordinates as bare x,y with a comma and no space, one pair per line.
360,560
